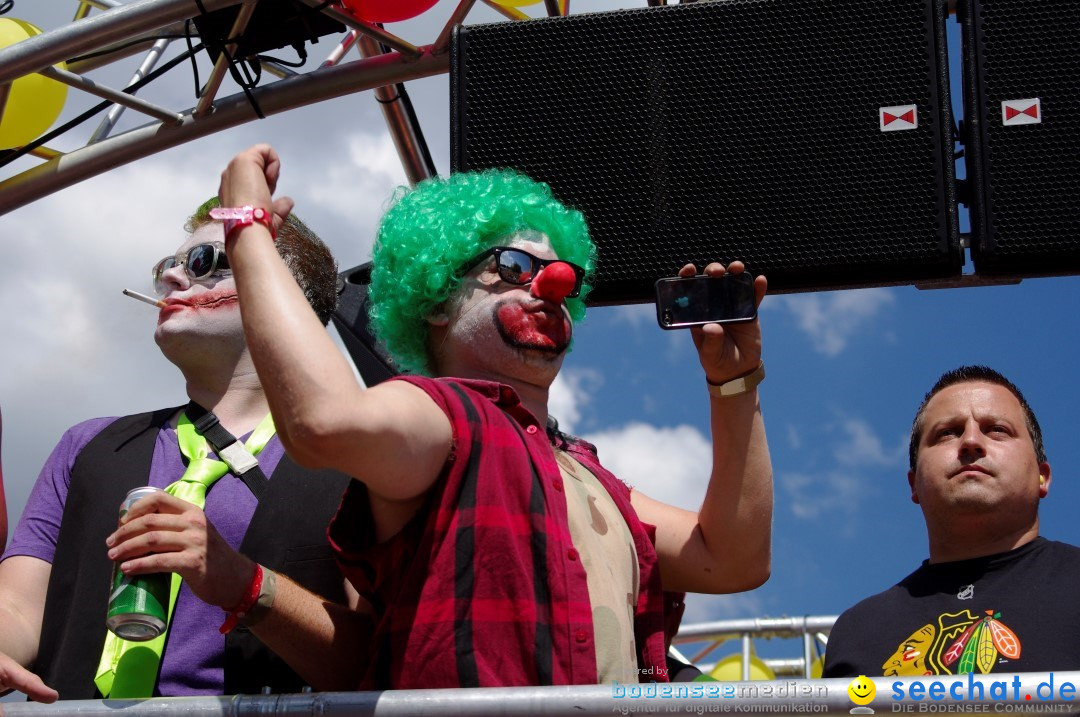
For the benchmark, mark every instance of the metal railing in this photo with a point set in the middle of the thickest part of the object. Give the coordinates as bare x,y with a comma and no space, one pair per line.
1024,693
811,631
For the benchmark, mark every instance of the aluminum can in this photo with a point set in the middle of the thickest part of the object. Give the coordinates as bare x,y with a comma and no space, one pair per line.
138,604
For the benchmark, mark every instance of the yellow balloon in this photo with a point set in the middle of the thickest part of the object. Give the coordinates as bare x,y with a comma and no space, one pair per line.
34,102
729,669
817,667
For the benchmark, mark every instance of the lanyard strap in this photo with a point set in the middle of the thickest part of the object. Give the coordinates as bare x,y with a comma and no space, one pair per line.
239,458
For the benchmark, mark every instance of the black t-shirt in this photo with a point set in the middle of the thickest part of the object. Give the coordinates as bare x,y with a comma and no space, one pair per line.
1013,612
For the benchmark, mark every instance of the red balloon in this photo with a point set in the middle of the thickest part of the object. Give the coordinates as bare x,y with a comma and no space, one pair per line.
387,10
554,282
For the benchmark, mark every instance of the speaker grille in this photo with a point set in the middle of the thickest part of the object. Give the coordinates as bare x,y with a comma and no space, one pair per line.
721,130
1027,210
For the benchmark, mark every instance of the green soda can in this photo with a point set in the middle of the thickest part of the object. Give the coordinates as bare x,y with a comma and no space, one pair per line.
138,604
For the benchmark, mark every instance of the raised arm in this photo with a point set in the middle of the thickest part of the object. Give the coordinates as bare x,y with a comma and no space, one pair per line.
392,437
726,546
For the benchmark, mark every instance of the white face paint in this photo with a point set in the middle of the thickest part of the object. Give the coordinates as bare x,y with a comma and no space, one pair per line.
501,327
200,316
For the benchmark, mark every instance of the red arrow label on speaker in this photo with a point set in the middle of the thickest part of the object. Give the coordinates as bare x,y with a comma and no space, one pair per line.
899,117
1017,112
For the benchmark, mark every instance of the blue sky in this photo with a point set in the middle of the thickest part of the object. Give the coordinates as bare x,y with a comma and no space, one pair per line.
846,370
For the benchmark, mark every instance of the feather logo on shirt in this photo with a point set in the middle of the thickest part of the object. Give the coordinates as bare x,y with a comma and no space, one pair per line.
955,643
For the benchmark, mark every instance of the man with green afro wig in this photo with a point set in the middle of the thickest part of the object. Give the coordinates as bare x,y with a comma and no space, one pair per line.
494,549
430,233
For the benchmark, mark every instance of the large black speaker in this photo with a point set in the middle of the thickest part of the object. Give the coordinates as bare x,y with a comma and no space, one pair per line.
1022,134
810,138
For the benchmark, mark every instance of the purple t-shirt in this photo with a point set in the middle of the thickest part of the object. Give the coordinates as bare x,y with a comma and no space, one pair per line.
193,662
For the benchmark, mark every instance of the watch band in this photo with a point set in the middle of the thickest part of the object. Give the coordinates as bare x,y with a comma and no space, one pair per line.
739,385
233,218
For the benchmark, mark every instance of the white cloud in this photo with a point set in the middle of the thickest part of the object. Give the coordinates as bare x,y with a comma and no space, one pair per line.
794,437
830,320
832,493
671,464
636,315
75,347
862,447
706,608
352,184
570,394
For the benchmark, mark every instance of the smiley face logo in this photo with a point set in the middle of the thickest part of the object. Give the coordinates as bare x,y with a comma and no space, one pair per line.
862,690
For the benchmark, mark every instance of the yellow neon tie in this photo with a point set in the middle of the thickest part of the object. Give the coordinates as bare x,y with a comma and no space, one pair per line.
130,669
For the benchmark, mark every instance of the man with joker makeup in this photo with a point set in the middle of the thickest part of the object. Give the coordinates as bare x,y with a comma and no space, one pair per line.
494,549
258,510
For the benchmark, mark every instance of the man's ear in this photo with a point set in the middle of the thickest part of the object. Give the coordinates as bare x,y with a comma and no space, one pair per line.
1044,479
911,484
438,316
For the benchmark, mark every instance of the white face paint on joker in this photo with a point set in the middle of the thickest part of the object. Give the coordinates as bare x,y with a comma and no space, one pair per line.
492,320
204,310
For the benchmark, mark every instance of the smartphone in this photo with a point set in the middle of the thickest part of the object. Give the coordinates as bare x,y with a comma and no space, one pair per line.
697,300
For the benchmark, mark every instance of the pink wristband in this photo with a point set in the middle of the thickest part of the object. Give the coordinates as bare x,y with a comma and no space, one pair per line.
239,612
233,218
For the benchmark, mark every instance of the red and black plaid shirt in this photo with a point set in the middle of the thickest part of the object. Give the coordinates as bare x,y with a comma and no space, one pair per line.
483,587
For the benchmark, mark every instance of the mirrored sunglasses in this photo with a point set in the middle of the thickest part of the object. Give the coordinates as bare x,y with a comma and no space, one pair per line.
517,266
200,262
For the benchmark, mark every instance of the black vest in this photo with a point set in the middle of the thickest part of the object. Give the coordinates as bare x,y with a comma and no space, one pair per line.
287,534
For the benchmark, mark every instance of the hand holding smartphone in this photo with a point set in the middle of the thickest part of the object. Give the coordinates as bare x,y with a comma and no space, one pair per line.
698,300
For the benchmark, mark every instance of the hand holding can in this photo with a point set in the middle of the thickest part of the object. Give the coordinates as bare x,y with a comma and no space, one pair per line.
138,604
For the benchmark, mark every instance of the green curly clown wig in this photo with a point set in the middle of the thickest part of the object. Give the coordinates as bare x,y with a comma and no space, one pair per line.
431,231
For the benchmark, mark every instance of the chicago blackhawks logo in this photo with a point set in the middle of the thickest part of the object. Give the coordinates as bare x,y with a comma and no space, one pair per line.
957,643
979,645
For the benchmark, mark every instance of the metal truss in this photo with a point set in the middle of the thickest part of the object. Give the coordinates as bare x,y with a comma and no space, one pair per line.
123,31
811,631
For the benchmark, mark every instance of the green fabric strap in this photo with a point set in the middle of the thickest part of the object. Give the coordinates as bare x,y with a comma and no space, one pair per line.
130,669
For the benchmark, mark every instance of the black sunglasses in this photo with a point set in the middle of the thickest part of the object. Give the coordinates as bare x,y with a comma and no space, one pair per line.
199,262
517,266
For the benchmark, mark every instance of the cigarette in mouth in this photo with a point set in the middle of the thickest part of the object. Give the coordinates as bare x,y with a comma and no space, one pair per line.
144,298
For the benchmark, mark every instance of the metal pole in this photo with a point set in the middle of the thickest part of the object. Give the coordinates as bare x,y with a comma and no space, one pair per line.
86,5
747,650
147,65
511,12
456,18
121,98
759,627
339,52
95,32
209,92
402,130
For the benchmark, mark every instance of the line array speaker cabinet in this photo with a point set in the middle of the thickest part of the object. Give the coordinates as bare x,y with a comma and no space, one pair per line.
810,138
1022,134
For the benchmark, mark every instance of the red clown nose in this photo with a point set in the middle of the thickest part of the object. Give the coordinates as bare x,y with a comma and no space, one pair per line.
554,282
